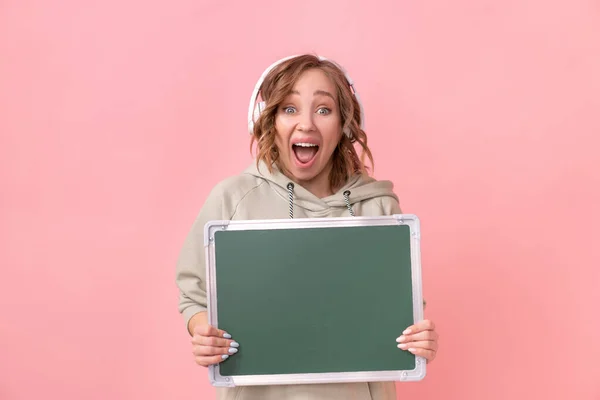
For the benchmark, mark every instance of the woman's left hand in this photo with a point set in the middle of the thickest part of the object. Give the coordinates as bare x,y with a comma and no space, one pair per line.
420,339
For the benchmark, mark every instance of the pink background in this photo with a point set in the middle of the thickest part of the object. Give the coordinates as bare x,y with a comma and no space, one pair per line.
117,117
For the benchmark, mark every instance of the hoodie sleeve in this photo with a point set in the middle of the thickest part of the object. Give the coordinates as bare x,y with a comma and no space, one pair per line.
191,265
390,205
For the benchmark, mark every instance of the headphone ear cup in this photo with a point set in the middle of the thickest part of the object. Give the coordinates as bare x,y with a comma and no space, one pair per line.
260,106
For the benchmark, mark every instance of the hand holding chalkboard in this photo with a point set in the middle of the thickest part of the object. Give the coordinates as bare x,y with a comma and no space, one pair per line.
420,339
212,345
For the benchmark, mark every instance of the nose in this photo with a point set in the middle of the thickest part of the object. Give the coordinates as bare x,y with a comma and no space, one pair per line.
305,122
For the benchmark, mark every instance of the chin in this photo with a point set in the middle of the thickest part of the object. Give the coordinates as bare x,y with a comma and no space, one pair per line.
305,173
304,176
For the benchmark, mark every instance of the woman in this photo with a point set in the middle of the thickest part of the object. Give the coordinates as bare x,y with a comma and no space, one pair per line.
306,166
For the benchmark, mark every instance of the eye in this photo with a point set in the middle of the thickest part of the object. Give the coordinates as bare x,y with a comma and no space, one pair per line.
323,111
289,110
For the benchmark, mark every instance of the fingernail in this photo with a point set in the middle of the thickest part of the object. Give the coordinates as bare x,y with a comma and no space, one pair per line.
227,336
402,346
233,350
234,344
224,357
406,332
412,350
401,339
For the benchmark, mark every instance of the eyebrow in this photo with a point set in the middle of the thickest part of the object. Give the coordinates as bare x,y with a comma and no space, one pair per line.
316,93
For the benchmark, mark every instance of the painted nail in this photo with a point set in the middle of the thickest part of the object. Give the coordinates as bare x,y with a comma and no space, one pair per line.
224,357
227,336
406,332
233,350
401,339
234,344
402,346
412,350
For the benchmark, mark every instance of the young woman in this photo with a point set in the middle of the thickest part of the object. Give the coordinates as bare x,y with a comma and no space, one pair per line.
307,166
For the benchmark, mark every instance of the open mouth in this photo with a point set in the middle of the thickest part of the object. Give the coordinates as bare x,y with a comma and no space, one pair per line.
305,153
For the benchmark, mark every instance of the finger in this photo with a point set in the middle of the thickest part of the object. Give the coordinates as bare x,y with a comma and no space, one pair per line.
206,361
208,330
429,355
200,350
423,344
423,335
213,341
424,325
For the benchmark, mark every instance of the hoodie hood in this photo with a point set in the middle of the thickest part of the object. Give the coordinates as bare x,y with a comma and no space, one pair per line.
358,188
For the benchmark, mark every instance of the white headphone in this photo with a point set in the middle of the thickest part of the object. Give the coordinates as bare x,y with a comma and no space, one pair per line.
255,108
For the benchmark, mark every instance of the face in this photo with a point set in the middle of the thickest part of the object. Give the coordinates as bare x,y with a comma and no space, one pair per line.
308,125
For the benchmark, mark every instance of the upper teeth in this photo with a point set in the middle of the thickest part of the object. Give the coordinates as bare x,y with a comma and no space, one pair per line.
306,144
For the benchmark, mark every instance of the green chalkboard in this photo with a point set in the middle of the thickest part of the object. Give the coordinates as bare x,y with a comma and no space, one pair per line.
314,300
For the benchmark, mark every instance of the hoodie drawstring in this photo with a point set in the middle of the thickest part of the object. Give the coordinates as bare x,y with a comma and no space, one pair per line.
290,188
347,199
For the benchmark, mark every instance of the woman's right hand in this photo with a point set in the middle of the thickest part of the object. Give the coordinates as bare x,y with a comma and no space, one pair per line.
211,345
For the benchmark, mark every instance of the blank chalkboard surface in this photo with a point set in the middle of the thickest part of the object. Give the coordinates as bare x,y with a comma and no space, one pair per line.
315,300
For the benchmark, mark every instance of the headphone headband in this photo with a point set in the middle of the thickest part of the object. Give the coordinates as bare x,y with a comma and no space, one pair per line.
254,109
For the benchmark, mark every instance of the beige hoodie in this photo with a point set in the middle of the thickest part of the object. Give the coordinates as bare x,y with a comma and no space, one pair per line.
257,194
